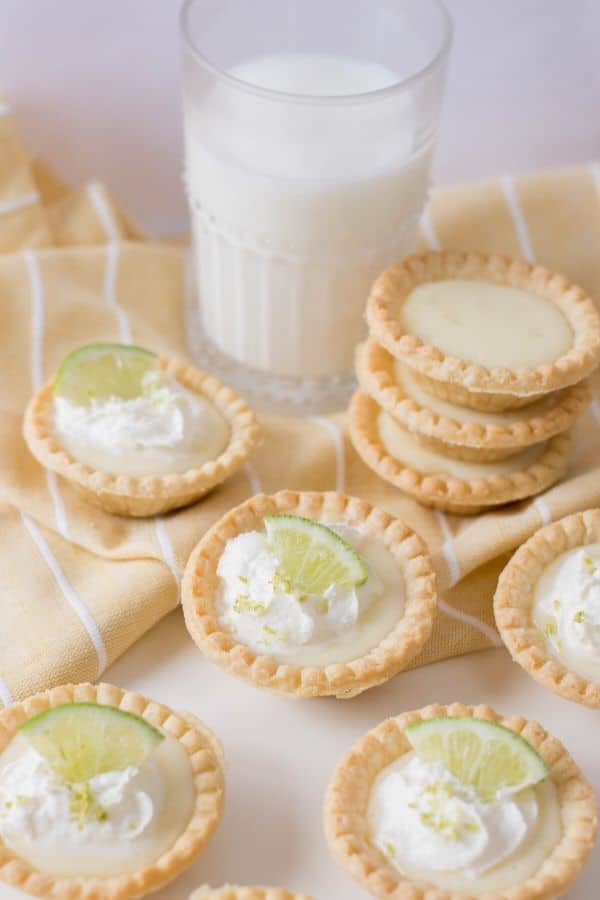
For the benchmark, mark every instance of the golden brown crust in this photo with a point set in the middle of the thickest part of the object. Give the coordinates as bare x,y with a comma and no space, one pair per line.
128,495
448,492
343,680
201,747
346,805
513,603
476,385
480,442
230,892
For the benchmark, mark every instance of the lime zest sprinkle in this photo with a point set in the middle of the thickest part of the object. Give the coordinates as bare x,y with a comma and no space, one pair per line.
589,564
556,605
83,805
243,605
390,850
579,617
550,628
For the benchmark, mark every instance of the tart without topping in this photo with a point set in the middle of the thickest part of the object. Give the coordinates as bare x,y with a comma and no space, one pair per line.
447,483
457,430
547,607
103,793
137,434
457,802
485,332
310,594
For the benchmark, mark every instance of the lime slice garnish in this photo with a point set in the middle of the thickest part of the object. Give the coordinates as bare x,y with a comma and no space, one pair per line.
481,754
101,371
81,740
312,557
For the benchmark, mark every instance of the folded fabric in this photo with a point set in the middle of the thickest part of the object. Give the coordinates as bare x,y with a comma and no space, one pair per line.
79,586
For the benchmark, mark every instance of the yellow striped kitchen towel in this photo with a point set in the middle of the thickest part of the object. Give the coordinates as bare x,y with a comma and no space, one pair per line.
77,586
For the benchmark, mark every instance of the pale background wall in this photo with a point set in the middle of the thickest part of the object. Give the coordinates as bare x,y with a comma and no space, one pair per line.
95,87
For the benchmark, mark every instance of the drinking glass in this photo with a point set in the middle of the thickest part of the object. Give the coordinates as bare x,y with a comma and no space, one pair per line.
309,130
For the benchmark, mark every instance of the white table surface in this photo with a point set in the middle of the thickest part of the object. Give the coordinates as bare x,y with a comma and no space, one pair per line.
280,753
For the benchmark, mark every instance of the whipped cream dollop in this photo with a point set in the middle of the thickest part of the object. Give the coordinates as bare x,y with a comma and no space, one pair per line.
167,426
422,816
36,805
262,610
567,608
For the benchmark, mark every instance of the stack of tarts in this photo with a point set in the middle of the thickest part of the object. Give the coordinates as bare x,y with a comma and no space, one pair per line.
472,377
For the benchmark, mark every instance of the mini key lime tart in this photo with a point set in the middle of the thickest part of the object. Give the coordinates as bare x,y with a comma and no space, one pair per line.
310,594
229,892
484,331
103,794
458,431
547,607
138,434
455,485
456,802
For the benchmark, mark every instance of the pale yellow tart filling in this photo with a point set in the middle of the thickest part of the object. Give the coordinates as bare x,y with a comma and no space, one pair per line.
566,608
434,830
492,325
403,446
262,611
67,831
463,414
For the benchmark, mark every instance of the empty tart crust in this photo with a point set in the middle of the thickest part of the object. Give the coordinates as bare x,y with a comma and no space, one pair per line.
480,442
343,680
513,604
206,760
473,385
447,492
229,892
347,798
129,495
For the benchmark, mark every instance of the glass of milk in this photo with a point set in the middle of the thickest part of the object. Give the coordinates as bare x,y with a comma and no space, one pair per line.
309,129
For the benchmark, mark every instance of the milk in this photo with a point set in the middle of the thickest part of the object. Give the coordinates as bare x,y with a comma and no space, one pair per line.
297,204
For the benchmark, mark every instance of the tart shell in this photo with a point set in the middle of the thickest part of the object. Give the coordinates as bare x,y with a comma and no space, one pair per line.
447,492
205,757
342,680
128,495
346,806
480,442
513,603
467,384
229,892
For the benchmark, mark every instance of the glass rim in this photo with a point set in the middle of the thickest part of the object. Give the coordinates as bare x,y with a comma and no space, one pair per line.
326,99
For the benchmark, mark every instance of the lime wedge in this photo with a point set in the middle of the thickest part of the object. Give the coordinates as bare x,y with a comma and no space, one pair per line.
481,754
80,740
102,371
313,557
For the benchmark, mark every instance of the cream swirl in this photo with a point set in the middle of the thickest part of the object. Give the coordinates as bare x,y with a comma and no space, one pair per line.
421,816
567,609
166,428
37,806
262,610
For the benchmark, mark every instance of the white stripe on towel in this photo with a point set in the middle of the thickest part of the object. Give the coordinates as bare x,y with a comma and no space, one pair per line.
448,548
10,206
71,596
514,207
340,451
36,290
253,478
166,548
543,510
464,617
